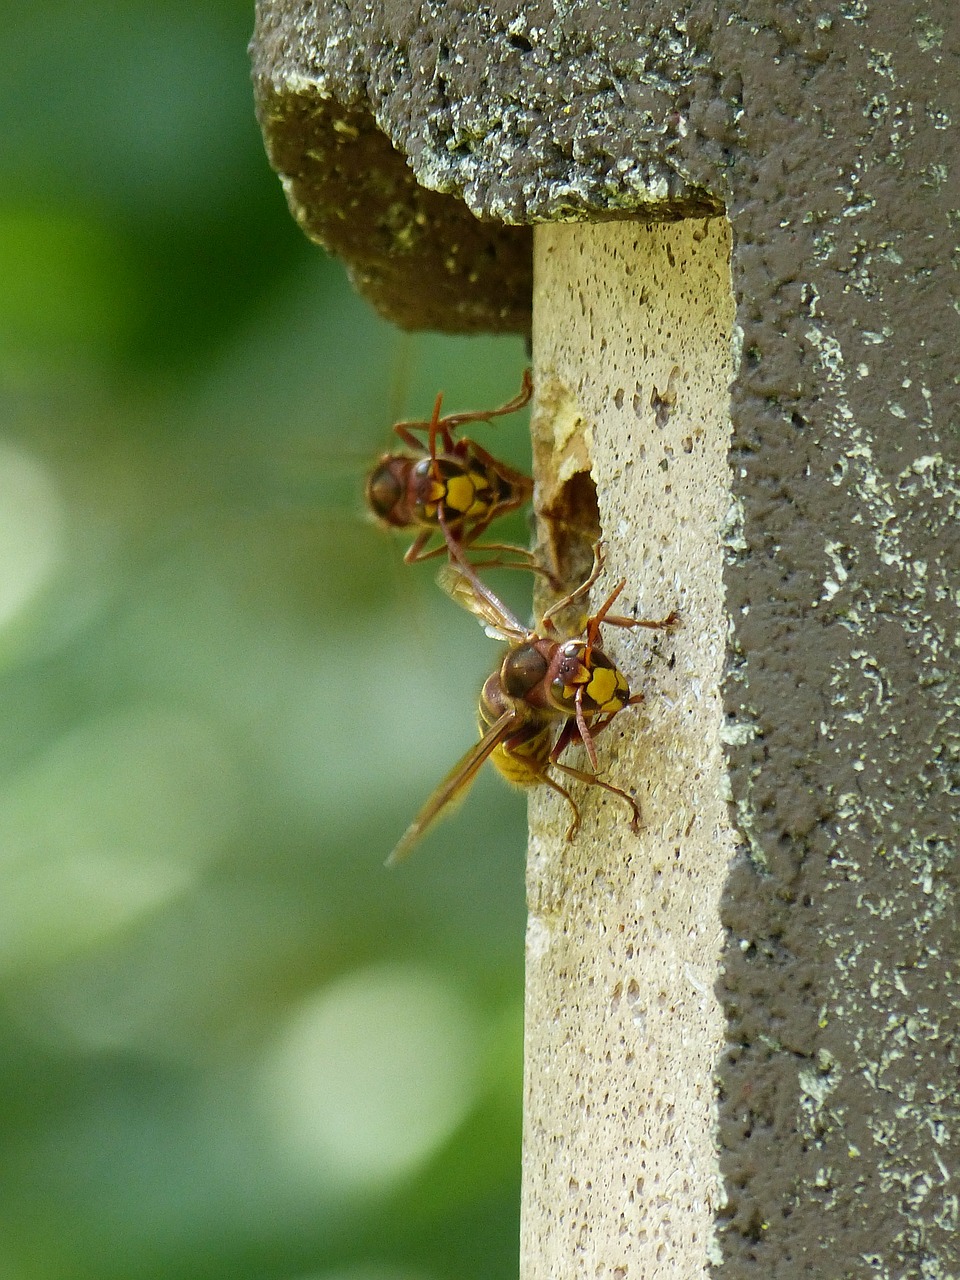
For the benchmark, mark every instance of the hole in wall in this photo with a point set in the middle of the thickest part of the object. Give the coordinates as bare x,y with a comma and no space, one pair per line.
571,526
568,515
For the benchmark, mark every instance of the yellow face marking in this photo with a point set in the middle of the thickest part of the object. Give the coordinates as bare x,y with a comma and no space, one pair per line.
603,688
460,493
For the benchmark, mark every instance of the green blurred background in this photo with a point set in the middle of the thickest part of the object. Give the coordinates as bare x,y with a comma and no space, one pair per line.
233,1044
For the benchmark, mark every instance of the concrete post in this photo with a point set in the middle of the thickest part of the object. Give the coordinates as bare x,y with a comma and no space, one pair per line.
632,344
424,146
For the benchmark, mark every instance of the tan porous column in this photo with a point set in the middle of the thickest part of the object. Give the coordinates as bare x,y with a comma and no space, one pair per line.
633,360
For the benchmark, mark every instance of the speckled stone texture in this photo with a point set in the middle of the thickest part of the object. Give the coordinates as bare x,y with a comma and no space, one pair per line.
623,1028
501,114
828,133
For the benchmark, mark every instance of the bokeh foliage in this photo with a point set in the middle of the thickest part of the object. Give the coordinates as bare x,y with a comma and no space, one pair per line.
233,1044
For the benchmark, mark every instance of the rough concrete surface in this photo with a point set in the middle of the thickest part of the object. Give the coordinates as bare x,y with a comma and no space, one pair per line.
623,1029
519,113
840,1118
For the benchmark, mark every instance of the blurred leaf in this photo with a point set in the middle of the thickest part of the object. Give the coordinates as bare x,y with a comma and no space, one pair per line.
222,698
65,293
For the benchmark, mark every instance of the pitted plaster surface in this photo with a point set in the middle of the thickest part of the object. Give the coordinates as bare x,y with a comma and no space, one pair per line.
624,1029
